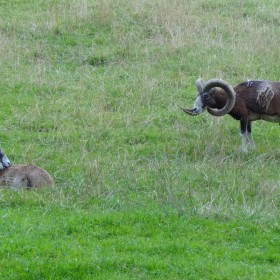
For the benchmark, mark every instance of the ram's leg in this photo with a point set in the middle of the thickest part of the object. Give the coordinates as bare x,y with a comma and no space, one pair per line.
249,134
243,132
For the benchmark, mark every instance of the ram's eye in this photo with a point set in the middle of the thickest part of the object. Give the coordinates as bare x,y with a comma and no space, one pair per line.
205,96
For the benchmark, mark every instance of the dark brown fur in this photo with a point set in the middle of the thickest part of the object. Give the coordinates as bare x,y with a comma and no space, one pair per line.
247,107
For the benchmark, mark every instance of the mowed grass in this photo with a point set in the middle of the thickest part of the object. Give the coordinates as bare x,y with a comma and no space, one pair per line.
90,91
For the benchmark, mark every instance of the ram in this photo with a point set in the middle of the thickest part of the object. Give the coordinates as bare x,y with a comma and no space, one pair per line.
247,102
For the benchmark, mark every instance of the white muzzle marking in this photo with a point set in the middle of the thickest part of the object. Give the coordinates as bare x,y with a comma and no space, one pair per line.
197,107
4,161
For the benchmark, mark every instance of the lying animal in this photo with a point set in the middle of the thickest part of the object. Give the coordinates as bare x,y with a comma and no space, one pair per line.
21,176
247,102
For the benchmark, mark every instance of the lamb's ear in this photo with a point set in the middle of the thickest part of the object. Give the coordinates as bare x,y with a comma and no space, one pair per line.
199,85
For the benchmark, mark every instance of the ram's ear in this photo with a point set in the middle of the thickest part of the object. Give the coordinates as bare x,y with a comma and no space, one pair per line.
199,85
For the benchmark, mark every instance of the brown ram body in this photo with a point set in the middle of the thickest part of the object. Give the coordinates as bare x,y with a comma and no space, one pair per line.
254,100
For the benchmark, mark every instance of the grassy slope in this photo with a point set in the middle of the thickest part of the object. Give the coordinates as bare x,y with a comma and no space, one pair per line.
90,91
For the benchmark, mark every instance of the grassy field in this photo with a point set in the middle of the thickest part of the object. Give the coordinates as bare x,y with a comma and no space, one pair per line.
90,91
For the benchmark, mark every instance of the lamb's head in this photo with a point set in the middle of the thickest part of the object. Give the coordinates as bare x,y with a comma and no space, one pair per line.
206,98
4,161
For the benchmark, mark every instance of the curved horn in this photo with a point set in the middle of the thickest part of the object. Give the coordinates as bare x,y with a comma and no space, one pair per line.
230,94
189,111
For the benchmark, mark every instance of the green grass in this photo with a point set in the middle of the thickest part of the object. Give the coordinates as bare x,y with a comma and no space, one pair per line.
52,242
90,92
